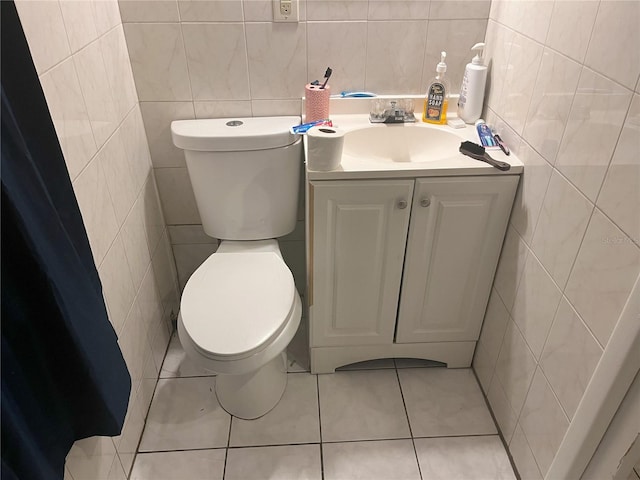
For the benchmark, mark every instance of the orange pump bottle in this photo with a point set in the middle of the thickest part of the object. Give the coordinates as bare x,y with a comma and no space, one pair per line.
436,100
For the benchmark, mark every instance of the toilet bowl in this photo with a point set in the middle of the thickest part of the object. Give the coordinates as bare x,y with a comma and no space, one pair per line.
240,308
238,312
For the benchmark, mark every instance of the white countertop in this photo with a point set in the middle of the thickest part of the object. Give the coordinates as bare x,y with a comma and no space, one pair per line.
455,165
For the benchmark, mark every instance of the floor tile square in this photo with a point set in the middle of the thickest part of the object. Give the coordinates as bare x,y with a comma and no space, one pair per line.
463,458
299,462
176,363
192,465
185,414
293,420
362,405
377,460
444,402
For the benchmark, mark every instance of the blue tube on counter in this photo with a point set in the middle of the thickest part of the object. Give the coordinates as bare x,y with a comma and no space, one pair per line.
485,135
297,129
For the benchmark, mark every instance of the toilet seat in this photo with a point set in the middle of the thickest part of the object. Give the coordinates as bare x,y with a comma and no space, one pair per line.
234,304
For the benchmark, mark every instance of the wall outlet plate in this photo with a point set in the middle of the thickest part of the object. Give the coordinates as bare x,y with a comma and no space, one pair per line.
285,10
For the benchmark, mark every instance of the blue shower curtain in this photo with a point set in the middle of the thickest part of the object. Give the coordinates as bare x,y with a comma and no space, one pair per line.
63,375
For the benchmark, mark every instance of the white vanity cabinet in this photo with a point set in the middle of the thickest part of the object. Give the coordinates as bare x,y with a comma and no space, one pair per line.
359,235
403,267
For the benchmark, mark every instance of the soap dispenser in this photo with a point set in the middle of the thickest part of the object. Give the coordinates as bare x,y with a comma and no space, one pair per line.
437,98
472,88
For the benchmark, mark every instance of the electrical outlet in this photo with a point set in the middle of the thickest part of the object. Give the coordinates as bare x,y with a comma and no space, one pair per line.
285,10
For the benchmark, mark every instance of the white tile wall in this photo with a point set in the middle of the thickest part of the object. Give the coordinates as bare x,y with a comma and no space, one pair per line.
158,60
326,46
515,367
531,192
595,121
550,103
69,114
96,90
570,356
572,249
158,117
456,37
520,80
536,302
573,41
607,53
570,116
506,417
452,9
603,275
81,57
139,11
620,194
79,22
563,220
224,58
543,421
176,192
217,60
44,28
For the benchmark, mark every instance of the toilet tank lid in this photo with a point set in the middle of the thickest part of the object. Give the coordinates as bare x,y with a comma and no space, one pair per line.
234,134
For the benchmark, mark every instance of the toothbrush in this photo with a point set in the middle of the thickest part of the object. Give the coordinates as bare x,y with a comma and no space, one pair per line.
476,151
347,94
501,144
305,127
327,74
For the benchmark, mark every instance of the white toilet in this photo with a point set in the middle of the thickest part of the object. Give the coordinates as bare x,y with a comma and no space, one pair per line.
240,308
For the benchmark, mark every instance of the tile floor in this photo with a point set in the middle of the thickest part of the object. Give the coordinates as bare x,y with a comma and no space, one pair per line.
385,419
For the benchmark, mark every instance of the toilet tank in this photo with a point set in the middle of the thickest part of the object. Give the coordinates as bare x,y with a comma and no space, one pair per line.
245,174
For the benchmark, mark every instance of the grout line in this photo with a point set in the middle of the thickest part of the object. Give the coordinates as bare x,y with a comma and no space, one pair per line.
581,63
204,449
400,438
404,404
366,440
320,426
465,435
495,422
188,376
146,415
320,444
613,151
241,447
226,451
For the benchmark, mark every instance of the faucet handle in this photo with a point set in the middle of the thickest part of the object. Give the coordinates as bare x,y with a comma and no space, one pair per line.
397,110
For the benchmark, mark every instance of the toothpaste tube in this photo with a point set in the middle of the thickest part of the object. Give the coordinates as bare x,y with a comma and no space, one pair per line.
298,129
485,135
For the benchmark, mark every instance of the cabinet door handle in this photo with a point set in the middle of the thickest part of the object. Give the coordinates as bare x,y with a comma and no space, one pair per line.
425,202
402,204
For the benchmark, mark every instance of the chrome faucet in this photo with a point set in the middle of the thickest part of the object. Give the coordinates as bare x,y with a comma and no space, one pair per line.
392,111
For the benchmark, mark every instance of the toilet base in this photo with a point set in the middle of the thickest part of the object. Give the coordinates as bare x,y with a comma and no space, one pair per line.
252,395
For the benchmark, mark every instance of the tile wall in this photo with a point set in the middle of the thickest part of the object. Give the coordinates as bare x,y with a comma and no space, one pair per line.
222,58
564,93
80,54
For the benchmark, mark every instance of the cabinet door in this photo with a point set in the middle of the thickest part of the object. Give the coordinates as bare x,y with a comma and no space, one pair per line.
359,235
455,237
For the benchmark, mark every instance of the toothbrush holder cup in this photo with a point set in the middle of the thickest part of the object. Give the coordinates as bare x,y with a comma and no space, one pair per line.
316,102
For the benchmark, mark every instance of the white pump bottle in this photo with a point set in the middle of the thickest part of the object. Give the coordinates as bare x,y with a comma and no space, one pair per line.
472,88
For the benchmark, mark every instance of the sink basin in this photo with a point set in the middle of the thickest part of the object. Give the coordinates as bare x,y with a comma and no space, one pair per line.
401,143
